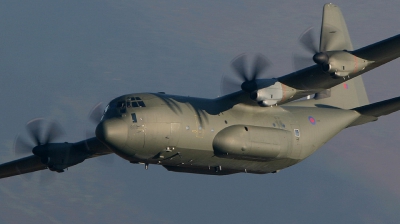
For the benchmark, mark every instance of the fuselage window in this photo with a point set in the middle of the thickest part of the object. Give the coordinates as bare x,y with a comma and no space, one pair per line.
297,132
134,120
122,107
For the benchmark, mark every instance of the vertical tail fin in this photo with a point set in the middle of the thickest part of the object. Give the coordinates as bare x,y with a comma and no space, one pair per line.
335,37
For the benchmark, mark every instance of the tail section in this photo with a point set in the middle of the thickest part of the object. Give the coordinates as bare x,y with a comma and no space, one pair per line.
346,95
334,33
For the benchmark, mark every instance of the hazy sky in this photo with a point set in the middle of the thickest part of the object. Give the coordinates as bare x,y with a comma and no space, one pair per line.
60,58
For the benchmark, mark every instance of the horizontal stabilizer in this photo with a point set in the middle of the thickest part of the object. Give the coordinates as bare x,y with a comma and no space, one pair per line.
21,166
371,112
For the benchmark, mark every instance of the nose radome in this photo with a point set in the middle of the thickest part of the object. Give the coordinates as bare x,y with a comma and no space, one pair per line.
112,131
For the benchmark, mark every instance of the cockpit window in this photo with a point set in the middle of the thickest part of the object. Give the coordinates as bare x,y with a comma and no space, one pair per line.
121,104
137,102
112,105
124,105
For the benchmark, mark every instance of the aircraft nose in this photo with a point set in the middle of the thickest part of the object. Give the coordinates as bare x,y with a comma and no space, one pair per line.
113,131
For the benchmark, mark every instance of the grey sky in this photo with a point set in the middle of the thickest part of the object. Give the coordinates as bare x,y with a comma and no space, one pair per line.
59,58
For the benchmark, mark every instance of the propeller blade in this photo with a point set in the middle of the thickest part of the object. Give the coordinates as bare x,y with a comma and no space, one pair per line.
54,131
25,176
229,85
247,81
21,147
96,113
239,65
34,127
90,134
308,42
47,177
260,64
300,62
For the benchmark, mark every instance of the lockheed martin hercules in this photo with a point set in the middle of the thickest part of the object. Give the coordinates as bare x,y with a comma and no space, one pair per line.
259,126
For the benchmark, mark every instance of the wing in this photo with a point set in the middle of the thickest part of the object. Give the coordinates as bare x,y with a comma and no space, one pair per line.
21,166
67,155
334,79
335,39
314,78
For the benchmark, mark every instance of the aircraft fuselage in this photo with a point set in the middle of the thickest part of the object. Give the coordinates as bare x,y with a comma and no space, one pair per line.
216,136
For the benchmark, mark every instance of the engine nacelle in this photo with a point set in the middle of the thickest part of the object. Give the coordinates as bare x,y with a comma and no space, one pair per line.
251,143
272,94
342,63
58,156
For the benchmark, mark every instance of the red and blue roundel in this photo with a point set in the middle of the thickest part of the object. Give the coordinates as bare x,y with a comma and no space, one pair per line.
312,120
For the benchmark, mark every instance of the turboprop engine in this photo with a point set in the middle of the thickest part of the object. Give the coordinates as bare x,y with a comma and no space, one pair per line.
273,94
341,63
266,92
59,156
56,156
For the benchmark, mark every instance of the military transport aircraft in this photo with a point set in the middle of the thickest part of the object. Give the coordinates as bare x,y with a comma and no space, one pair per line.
264,126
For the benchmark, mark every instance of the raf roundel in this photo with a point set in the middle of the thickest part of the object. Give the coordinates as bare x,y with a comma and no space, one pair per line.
312,120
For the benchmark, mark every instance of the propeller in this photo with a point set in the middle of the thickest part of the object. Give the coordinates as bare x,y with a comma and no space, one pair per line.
308,42
246,81
95,115
40,141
